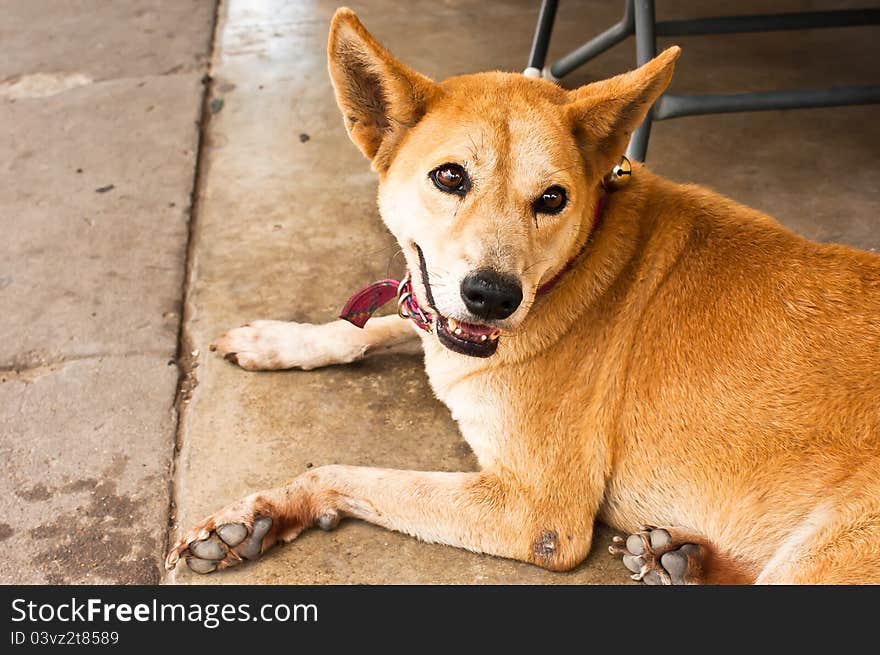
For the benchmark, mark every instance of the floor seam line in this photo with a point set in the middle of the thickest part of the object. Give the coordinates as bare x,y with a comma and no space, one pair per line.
186,356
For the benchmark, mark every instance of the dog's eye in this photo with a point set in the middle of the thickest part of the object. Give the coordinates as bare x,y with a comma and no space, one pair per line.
450,178
552,201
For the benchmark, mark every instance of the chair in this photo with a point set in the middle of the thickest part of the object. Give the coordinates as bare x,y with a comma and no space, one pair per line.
639,20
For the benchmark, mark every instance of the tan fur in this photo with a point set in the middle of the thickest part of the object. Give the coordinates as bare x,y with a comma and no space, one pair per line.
699,366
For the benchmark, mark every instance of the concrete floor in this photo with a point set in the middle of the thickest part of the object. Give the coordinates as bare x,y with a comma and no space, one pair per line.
99,104
94,282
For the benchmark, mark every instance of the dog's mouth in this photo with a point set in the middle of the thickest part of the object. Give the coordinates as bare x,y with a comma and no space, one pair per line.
467,338
471,339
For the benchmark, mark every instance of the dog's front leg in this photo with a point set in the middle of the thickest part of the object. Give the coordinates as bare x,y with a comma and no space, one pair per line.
484,512
274,345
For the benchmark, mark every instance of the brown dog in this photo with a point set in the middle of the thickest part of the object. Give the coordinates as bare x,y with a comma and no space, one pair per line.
651,353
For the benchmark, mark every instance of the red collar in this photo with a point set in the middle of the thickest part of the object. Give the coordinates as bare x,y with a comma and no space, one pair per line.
363,304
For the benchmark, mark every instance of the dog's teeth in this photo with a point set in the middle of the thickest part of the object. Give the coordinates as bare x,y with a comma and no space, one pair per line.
483,337
458,331
452,323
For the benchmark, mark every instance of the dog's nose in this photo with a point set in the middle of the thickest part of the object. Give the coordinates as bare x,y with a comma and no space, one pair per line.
491,295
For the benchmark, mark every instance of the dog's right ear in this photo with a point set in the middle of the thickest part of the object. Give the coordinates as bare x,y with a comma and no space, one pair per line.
378,95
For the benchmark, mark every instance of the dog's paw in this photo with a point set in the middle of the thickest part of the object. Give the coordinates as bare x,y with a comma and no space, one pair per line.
661,556
242,531
225,545
247,529
275,345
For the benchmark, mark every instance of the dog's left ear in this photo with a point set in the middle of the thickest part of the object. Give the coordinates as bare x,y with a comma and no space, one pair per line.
378,95
604,114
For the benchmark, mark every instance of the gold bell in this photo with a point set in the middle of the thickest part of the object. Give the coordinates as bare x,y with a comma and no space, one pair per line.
619,176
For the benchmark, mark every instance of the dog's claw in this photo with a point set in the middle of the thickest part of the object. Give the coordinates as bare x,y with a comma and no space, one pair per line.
171,560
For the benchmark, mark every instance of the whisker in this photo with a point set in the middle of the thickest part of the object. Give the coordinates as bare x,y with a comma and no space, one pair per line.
378,251
473,148
567,168
391,259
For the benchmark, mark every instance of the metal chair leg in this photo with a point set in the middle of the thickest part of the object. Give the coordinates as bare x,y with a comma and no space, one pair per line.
646,49
541,42
597,45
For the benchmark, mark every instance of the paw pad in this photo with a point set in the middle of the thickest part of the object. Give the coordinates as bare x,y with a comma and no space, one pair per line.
211,548
232,534
658,556
225,546
328,520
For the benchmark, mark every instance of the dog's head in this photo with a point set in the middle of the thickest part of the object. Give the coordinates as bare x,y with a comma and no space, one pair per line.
488,181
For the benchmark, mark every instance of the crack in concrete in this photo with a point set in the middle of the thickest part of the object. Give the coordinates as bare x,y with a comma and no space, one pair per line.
33,365
41,85
186,355
45,85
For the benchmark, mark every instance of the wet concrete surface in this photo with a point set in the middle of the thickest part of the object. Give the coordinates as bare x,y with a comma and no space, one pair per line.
288,228
87,448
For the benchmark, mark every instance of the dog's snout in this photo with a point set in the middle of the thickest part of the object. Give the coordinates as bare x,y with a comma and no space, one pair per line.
491,295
